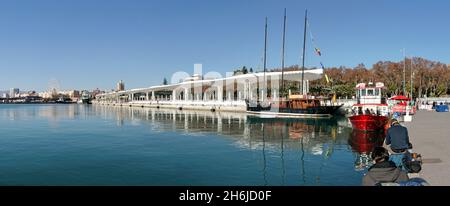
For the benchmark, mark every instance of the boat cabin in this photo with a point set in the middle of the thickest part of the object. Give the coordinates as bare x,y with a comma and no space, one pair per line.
300,102
370,94
370,99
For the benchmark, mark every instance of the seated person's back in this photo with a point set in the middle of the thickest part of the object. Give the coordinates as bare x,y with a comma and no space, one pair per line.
383,170
397,137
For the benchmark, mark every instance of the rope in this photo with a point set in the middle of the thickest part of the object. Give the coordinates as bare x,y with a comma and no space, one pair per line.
316,49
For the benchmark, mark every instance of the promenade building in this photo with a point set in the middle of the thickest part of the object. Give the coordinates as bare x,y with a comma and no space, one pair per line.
206,92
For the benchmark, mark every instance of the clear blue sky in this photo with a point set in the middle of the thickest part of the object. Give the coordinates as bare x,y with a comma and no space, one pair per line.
85,44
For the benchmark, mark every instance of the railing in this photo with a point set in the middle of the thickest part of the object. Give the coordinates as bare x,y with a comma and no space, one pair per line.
183,103
438,100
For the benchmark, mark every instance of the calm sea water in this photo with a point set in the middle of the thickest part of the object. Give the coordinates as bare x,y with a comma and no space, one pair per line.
100,145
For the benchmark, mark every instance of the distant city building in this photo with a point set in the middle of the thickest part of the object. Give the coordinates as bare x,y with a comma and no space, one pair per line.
14,92
120,86
45,95
5,95
23,95
74,95
97,91
71,93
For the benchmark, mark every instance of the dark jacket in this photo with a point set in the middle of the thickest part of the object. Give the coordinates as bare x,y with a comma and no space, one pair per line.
397,137
382,172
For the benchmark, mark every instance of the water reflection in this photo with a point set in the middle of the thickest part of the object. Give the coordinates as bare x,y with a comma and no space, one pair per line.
258,151
249,132
309,139
53,113
362,144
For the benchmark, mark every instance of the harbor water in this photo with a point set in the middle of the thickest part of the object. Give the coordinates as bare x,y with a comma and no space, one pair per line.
105,145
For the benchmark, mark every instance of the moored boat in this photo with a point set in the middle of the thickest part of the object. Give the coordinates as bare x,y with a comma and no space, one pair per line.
370,113
368,122
295,106
85,98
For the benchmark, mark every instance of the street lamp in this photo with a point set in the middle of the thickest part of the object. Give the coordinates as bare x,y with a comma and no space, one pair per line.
404,68
412,74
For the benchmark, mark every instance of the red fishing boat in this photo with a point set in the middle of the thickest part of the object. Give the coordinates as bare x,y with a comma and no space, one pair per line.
371,112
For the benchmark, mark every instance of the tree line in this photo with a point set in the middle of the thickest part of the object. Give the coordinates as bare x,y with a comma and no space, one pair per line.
429,78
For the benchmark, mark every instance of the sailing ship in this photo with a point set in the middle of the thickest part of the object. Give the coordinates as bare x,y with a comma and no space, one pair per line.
295,105
370,113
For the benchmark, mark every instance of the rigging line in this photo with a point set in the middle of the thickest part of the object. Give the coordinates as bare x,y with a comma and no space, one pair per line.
311,35
310,32
314,43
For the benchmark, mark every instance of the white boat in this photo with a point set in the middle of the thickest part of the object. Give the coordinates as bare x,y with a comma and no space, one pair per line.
85,98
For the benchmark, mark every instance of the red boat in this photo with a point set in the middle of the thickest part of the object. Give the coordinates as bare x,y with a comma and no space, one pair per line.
371,112
369,122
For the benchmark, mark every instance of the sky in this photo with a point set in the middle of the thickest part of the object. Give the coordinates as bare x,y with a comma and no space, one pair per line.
88,44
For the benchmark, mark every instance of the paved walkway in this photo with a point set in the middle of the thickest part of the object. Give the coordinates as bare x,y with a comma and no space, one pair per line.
430,135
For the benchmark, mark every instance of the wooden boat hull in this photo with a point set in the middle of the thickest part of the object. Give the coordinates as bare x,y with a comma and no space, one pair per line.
318,112
270,114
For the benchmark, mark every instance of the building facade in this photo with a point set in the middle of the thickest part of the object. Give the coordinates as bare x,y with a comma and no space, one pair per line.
14,92
120,86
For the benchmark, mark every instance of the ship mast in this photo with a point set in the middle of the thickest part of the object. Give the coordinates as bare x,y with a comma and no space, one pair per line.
304,47
282,93
265,49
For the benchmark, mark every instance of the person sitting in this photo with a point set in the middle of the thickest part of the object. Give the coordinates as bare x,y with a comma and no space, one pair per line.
397,137
353,111
383,170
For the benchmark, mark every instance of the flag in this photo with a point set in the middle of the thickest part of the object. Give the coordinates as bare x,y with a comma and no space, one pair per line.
322,66
326,77
318,51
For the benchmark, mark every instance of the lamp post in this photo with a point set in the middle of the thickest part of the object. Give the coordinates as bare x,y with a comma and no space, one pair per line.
412,74
404,69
